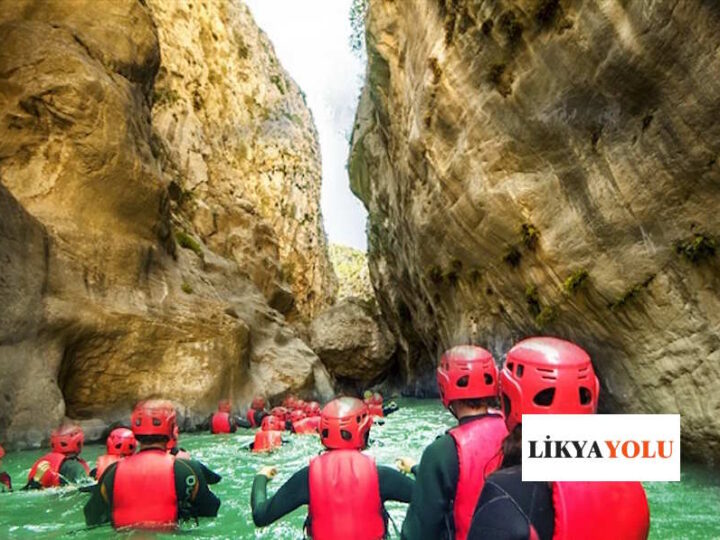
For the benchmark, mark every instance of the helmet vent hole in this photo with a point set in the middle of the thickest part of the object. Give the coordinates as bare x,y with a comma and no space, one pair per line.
506,404
463,381
585,396
544,398
520,370
346,435
325,433
488,379
510,366
358,419
156,422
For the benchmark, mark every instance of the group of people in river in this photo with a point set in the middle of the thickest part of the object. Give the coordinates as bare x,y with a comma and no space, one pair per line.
467,485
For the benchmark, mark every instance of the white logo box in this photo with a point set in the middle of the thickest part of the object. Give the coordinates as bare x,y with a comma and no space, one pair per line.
629,433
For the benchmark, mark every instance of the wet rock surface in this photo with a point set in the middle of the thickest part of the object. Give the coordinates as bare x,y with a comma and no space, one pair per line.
550,167
119,279
353,343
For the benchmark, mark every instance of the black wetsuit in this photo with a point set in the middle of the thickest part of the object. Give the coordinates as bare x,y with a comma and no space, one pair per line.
5,482
394,486
430,513
508,506
211,477
71,471
200,502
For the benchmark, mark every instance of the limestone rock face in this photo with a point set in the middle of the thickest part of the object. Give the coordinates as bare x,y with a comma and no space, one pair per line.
109,291
353,274
242,151
353,343
550,167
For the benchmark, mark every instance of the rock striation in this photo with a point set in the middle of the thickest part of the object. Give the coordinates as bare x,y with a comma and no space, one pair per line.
550,166
147,242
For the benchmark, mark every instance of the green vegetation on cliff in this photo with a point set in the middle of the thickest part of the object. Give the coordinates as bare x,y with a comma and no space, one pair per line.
352,272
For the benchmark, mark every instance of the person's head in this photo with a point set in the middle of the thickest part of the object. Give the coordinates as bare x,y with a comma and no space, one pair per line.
258,403
345,424
272,423
467,378
154,422
376,398
312,408
297,415
367,396
280,413
225,406
121,442
290,402
67,439
546,375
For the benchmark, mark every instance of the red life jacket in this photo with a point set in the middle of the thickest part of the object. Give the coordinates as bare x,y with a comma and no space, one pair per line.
376,409
478,444
265,441
51,478
103,462
600,510
307,426
345,497
144,492
220,423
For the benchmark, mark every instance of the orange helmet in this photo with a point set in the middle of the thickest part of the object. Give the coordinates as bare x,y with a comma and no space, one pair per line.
272,423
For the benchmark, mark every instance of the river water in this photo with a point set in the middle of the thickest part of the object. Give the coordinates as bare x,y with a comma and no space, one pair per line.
686,510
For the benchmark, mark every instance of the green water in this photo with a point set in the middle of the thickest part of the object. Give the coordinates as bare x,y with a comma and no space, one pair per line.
686,510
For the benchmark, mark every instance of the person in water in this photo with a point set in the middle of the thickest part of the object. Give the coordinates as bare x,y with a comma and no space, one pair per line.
120,444
5,481
544,375
376,405
256,412
344,488
151,489
269,436
222,421
63,465
451,471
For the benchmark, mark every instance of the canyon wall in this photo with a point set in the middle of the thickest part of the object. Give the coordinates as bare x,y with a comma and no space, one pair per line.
152,237
550,167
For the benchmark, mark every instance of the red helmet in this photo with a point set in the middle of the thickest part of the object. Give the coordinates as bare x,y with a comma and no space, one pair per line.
67,439
297,415
345,423
545,375
300,404
225,406
280,413
2,452
272,423
154,417
312,408
290,402
376,399
121,442
467,372
258,403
